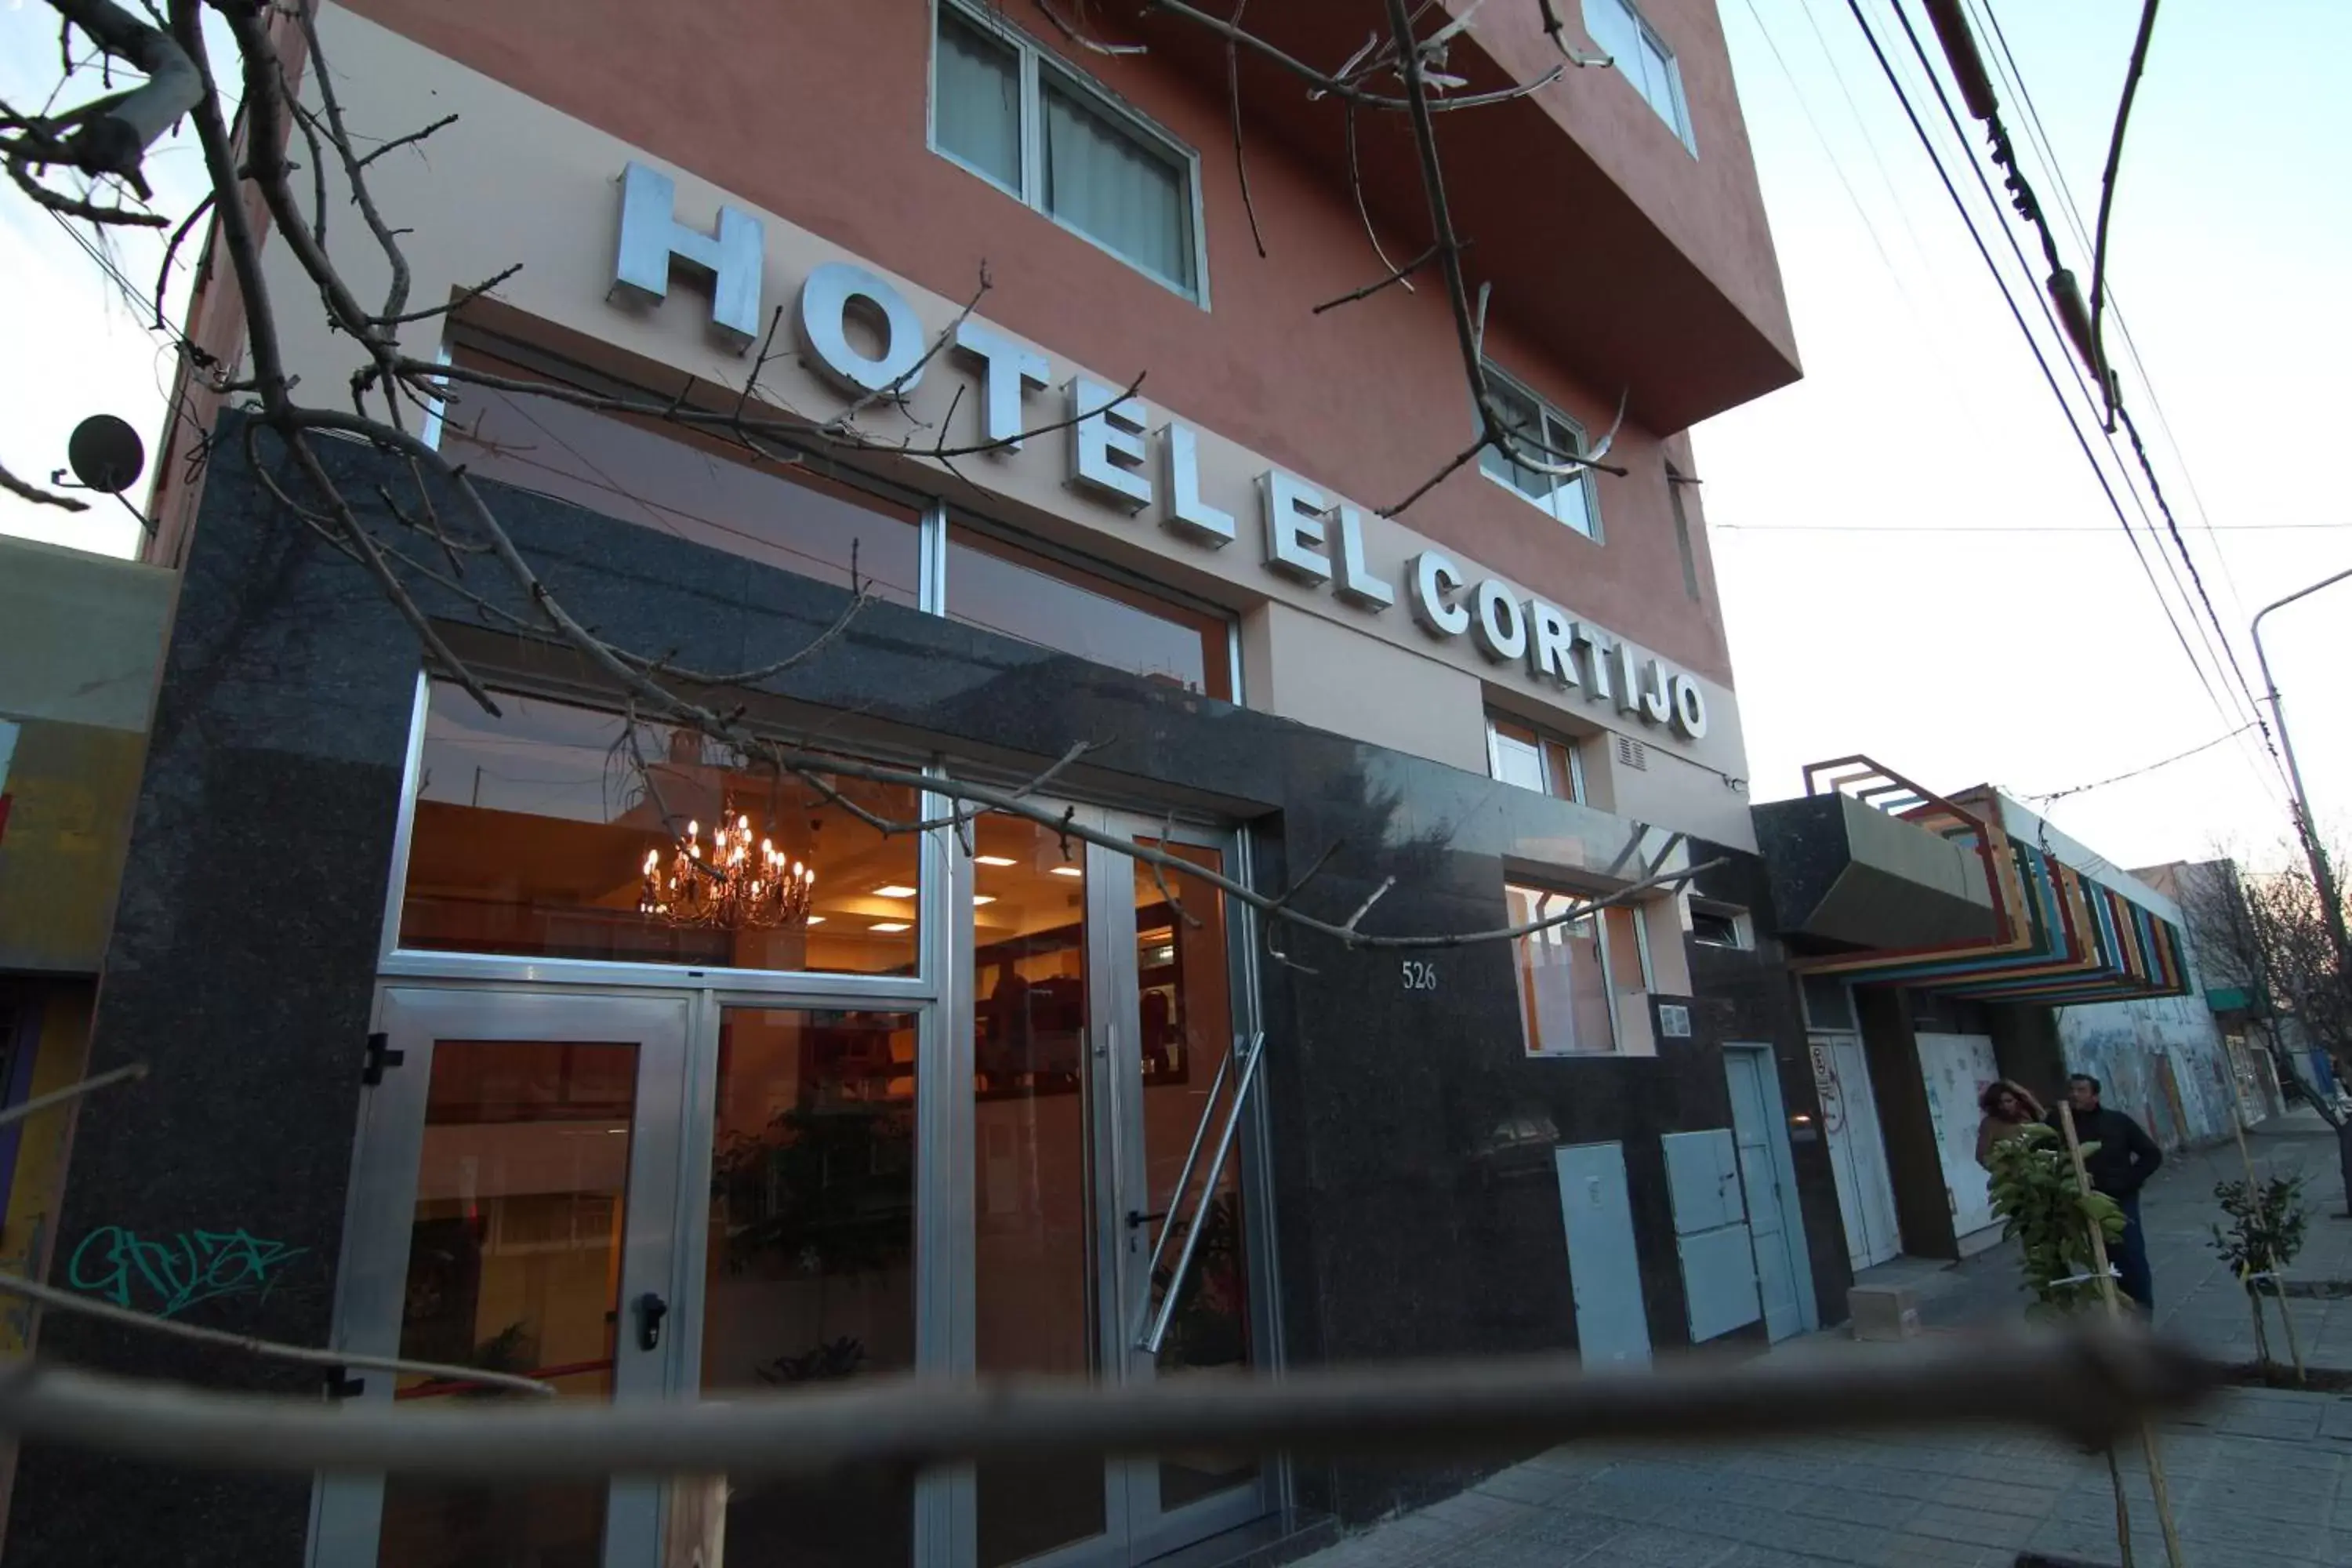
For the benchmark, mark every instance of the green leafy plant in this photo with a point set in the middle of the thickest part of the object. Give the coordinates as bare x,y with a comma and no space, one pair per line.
2265,1230
2036,1196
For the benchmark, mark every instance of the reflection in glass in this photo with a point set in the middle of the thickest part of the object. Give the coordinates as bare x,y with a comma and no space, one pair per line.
532,827
1033,1281
810,1278
1565,978
1001,588
693,486
514,1265
1181,970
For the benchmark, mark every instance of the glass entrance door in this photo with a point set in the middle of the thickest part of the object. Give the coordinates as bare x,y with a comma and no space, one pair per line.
513,1208
1104,1020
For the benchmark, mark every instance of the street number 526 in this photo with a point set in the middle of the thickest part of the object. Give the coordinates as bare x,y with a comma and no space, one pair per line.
1420,974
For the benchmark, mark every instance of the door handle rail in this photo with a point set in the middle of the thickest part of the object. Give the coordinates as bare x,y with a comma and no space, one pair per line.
1151,1338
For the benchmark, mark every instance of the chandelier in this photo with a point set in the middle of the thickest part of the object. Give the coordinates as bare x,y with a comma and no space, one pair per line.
736,884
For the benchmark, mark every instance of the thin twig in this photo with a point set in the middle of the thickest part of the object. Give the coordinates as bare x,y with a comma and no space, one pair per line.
40,1102
59,1301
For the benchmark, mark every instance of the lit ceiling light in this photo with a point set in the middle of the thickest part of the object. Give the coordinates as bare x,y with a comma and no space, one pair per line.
894,891
1068,871
888,926
980,899
813,921
995,860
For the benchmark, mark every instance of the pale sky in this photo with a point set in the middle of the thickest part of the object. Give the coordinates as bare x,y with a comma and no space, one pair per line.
1920,625
1913,559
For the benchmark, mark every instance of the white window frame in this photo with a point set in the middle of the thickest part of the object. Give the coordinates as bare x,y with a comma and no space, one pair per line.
1584,517
1743,929
1676,114
1568,743
1598,920
1036,61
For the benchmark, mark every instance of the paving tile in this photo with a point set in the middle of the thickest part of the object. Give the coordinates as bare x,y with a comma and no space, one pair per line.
2003,1497
1657,1545
1886,1480
1970,1525
1530,1483
1567,1535
1766,1557
1928,1552
1852,1506
1732,1521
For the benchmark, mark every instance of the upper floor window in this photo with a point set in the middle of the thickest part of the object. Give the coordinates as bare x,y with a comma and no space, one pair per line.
1565,497
1643,58
1013,114
1521,754
1720,925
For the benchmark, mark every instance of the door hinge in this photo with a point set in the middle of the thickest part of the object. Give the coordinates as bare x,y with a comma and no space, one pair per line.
380,1056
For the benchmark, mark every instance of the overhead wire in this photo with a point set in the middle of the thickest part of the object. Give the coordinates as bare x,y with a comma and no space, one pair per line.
2033,344
2242,697
2208,624
2053,796
2038,138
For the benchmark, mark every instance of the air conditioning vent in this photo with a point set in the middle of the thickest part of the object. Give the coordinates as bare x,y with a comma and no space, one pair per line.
1673,1021
1631,753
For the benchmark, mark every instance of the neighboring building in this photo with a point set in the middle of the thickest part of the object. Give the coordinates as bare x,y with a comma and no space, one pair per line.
433,1084
1944,942
81,636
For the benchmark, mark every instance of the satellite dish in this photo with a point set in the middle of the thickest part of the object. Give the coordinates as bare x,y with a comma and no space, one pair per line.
105,454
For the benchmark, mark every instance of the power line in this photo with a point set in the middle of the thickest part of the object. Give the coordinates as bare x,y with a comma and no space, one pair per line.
2049,376
2038,136
2243,699
2059,794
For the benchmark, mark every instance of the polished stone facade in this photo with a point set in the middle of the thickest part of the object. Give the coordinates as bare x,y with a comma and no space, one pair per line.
1415,1197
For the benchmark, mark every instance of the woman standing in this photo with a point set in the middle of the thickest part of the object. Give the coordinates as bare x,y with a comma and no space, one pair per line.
2008,1110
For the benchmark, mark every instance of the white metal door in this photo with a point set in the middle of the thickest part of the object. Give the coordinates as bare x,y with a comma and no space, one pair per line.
1956,1069
1857,1153
514,1207
1756,1127
1604,1274
1711,1233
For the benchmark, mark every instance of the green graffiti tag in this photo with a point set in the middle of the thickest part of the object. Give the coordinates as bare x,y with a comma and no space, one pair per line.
169,1277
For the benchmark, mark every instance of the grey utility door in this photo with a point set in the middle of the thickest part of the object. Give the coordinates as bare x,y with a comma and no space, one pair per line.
1711,1232
1612,1328
1755,1124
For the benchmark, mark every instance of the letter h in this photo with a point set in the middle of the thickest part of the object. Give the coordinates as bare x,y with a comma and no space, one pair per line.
651,237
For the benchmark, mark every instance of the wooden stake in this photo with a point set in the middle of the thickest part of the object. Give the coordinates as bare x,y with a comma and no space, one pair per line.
2123,1508
2155,1478
2278,1275
697,1533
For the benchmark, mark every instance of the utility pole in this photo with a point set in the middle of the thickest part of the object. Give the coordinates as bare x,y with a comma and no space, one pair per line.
2330,904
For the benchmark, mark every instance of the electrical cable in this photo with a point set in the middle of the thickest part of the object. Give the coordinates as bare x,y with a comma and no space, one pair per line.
2059,794
2242,698
2049,376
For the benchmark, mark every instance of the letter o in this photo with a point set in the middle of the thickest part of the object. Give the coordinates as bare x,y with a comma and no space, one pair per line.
1690,707
1500,628
825,299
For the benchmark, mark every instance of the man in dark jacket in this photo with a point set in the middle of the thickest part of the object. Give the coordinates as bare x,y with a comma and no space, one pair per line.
2122,1161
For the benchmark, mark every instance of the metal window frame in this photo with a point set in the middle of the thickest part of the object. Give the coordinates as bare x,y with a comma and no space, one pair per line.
1637,913
1743,925
1569,744
1034,60
1676,114
1548,504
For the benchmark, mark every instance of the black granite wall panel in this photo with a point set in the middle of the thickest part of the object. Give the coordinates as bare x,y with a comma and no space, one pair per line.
1414,1195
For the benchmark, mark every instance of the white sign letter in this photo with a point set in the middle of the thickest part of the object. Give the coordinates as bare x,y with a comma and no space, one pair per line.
1188,515
1434,578
1690,707
1294,527
825,300
1357,584
651,237
1501,628
1008,371
1107,446
1551,643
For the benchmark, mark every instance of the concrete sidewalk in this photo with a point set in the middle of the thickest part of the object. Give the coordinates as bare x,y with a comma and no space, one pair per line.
2261,1477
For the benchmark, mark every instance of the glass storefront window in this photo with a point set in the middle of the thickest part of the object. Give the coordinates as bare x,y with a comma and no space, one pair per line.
533,828
693,486
809,1280
1575,976
1001,588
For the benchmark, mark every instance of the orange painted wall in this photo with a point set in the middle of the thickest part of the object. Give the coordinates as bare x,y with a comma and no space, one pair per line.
817,111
